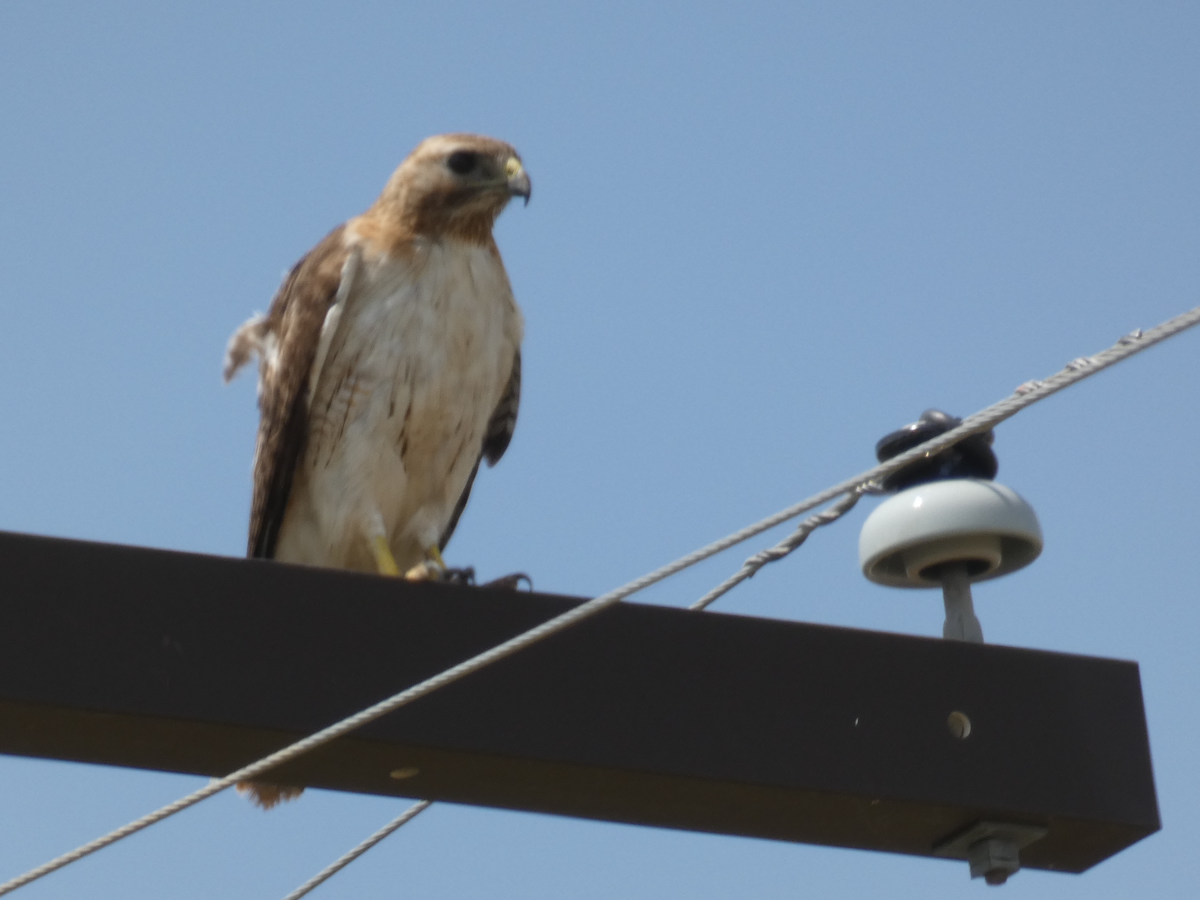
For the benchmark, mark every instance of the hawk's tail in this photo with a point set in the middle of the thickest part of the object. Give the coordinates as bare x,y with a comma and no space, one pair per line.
265,795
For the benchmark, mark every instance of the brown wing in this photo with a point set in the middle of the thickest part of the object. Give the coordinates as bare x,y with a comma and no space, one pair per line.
504,418
499,432
294,328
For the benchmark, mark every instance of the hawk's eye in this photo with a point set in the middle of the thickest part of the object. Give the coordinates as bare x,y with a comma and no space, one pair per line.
462,161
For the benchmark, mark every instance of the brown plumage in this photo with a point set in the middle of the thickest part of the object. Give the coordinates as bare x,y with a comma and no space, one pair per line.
390,367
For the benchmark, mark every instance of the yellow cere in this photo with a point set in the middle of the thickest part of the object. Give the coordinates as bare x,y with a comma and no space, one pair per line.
512,167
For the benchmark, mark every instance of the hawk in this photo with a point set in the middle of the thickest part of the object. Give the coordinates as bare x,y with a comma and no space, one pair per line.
389,368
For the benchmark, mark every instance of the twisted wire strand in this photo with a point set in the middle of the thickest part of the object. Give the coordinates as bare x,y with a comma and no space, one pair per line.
351,855
1026,395
829,514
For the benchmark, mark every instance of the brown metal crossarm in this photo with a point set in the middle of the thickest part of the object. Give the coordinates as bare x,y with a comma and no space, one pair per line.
648,715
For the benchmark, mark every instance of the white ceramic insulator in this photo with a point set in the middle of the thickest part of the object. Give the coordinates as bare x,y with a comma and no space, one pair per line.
983,524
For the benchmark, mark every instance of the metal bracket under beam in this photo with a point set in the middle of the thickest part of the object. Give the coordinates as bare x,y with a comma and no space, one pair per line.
643,714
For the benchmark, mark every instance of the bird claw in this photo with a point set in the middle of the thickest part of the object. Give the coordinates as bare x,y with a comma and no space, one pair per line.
510,582
423,571
464,575
430,571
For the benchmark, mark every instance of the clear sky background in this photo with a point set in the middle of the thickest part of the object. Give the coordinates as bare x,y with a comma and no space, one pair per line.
761,237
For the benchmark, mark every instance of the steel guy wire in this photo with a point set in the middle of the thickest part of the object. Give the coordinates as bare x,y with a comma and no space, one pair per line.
351,855
1026,395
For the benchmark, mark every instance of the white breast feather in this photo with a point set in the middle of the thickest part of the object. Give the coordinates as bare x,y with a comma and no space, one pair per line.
412,361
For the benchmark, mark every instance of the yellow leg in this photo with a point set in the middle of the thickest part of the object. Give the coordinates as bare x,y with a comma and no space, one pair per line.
436,555
383,556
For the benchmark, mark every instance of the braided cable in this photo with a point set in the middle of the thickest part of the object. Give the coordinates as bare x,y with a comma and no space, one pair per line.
351,855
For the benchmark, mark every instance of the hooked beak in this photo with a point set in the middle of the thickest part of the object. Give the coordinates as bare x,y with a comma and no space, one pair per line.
519,184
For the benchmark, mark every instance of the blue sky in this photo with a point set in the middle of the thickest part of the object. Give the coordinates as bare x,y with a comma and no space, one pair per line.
762,236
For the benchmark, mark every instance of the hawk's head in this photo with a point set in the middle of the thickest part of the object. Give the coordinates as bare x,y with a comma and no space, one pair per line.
455,185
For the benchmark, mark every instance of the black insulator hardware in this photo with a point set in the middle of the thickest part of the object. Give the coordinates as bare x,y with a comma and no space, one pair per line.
969,458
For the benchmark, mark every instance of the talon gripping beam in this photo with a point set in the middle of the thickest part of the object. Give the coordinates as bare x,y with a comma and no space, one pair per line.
646,715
